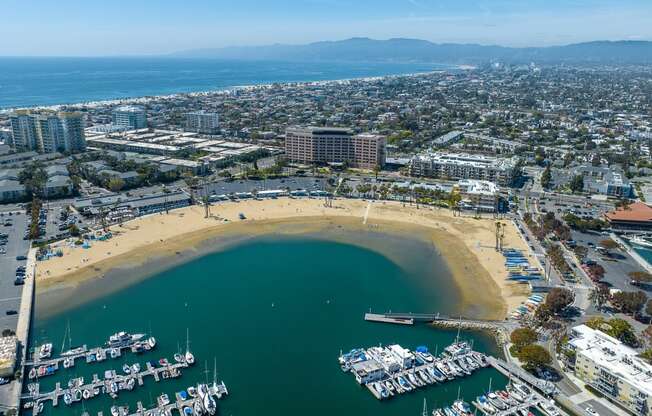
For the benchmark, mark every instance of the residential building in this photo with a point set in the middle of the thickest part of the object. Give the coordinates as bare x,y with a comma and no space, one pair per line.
465,166
611,368
325,145
203,122
130,117
606,181
48,132
481,196
11,191
448,138
635,217
23,132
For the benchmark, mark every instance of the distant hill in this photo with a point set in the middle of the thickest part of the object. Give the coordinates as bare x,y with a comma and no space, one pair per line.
415,50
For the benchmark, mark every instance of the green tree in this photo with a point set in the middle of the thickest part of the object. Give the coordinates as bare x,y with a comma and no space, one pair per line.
558,299
640,277
546,177
577,184
74,230
534,356
522,337
609,244
115,184
629,302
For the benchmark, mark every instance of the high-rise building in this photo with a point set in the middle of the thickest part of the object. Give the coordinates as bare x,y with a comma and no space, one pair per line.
48,132
23,132
335,145
203,122
131,117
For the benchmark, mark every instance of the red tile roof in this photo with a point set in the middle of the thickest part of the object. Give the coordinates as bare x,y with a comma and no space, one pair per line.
637,211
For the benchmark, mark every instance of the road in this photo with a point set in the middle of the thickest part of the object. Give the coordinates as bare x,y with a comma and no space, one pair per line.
10,294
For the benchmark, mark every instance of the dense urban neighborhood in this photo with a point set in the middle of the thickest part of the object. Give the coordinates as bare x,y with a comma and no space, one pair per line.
560,152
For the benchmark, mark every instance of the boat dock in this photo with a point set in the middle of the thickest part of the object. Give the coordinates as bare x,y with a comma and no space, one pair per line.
393,370
104,385
84,352
374,317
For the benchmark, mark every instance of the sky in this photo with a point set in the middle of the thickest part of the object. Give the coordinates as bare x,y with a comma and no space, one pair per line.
137,27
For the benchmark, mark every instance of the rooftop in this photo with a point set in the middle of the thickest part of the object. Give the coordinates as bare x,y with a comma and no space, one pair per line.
638,211
614,356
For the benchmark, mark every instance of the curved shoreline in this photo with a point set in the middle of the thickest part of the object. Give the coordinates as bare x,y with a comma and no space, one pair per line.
154,243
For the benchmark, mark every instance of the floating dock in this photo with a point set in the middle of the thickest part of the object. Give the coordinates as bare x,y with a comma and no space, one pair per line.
100,386
374,317
394,370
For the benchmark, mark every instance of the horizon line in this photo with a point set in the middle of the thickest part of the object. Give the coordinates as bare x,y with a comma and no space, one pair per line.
172,54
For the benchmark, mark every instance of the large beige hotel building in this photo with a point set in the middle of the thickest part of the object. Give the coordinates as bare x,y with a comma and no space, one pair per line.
334,145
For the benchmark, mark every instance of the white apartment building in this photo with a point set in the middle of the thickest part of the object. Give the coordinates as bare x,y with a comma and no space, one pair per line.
130,117
465,166
48,132
203,122
478,195
612,368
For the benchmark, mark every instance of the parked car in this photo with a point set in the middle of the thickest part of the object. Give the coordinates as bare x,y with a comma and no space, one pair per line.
11,312
19,281
19,258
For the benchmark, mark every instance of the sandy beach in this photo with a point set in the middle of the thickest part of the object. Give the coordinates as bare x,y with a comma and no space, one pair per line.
466,243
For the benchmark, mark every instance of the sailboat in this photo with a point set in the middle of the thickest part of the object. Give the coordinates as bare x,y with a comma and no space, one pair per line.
190,359
71,350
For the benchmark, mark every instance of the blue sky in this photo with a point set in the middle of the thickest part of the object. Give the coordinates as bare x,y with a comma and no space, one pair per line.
91,27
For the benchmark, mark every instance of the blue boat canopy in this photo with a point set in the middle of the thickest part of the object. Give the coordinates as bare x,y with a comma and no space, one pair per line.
422,348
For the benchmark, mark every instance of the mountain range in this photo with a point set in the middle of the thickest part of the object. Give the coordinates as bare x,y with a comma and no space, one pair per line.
415,50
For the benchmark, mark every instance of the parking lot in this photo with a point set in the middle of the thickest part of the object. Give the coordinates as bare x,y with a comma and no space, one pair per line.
14,247
294,183
616,267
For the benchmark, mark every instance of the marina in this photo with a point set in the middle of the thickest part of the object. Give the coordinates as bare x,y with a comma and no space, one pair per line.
288,360
195,400
111,384
43,365
394,370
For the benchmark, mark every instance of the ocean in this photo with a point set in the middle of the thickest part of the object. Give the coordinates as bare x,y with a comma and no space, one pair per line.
49,81
275,312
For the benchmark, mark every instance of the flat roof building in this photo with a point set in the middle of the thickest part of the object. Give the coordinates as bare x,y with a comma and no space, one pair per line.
330,145
48,132
130,117
479,195
611,368
606,181
465,166
203,122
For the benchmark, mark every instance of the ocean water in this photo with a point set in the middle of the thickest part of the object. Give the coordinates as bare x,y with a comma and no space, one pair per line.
275,313
49,81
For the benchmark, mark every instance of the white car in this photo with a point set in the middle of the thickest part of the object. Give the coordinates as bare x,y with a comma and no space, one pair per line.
591,411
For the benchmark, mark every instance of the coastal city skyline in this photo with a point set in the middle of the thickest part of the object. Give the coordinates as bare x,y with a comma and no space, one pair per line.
326,207
153,28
